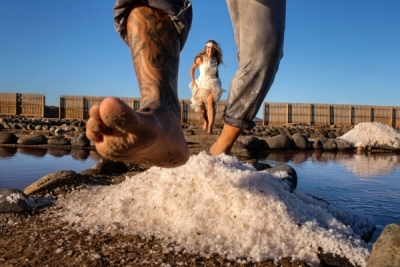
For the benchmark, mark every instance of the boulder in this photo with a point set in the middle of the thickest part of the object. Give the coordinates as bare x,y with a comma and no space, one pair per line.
13,201
33,139
386,249
58,141
8,138
80,140
107,166
300,141
343,144
188,132
51,181
329,144
290,178
278,142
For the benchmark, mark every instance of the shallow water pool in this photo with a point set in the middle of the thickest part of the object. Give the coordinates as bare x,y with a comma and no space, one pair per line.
368,182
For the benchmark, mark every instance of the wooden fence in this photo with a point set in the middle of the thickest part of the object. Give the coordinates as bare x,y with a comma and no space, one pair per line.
77,107
29,105
327,114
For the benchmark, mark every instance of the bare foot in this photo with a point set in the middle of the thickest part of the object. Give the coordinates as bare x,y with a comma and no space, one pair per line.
226,140
205,126
142,137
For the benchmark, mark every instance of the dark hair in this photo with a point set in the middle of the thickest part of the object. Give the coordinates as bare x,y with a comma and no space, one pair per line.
217,53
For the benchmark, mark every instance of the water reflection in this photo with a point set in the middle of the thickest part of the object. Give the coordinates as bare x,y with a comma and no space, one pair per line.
58,153
7,152
365,165
369,167
76,153
32,151
80,154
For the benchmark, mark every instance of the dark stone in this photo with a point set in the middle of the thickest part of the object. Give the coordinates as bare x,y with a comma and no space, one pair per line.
80,140
58,141
291,179
187,132
13,201
51,181
300,141
343,145
386,249
278,142
33,139
329,144
106,166
8,138
261,166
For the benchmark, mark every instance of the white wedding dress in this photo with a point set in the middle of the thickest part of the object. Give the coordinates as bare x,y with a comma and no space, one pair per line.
207,83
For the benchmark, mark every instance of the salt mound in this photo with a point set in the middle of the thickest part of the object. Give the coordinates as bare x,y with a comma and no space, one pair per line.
220,205
373,134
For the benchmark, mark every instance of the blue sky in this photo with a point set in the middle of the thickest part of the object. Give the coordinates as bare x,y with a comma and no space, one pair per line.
337,51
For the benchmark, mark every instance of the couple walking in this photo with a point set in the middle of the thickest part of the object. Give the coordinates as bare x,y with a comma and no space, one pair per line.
156,31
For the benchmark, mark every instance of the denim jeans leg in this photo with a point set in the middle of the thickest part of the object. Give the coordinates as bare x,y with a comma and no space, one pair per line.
180,12
259,27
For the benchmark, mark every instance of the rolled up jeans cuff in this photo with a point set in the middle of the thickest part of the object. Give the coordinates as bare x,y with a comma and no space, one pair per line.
242,124
180,14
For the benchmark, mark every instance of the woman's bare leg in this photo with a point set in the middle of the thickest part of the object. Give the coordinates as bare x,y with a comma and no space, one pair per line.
152,134
203,113
210,112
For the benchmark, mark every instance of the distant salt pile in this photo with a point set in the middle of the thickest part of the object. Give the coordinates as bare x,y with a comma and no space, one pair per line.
373,134
220,205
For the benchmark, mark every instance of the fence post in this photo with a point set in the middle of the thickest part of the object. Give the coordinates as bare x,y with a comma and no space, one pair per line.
392,117
287,113
371,116
181,105
43,104
264,113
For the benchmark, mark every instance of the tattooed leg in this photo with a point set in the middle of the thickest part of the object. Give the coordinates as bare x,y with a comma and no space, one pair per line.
152,134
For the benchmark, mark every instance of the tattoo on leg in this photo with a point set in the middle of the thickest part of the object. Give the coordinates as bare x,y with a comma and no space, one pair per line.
155,50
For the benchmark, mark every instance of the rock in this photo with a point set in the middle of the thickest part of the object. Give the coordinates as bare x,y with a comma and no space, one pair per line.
278,142
8,138
45,127
343,144
80,140
317,144
317,136
329,144
106,166
35,139
300,141
187,132
261,166
51,181
291,177
13,200
252,143
58,141
386,249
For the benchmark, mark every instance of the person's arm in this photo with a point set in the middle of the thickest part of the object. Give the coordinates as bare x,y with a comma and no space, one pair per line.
196,63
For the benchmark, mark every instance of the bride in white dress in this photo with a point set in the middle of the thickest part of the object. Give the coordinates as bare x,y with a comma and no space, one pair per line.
206,90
